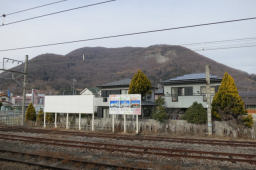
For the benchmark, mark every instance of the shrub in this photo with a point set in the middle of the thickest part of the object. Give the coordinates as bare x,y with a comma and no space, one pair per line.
159,111
248,121
50,117
196,113
30,113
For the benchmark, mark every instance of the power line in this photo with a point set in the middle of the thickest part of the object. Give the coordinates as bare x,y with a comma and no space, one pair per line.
224,48
129,34
58,12
32,8
219,41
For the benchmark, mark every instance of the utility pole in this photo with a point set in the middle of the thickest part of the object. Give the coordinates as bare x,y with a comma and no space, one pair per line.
208,97
24,88
73,86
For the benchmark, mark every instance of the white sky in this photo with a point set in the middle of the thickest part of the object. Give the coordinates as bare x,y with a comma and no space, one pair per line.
125,16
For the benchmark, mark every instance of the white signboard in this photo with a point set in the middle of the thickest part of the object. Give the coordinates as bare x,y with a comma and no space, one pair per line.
125,104
69,104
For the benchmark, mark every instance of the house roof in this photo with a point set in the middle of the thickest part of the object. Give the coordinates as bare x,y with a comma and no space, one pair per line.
119,83
94,90
192,78
249,97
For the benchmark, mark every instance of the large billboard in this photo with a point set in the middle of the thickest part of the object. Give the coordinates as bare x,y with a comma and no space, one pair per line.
129,104
69,104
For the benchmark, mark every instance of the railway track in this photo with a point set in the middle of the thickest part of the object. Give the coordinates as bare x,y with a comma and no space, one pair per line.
136,151
132,137
51,161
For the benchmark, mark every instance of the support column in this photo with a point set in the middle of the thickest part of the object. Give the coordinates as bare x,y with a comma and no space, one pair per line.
137,124
113,123
124,123
93,122
55,120
208,97
79,123
44,120
67,126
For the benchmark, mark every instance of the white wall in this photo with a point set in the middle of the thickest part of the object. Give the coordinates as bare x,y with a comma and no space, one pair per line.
69,104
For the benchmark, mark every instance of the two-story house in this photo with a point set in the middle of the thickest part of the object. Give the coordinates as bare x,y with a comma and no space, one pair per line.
120,87
180,92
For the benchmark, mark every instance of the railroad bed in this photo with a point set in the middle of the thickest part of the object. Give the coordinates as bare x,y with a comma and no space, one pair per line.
130,151
233,143
136,150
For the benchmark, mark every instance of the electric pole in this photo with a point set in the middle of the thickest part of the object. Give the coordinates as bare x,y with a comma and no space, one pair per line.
208,97
24,89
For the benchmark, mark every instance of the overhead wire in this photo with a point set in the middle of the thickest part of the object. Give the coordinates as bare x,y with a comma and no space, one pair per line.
129,34
220,41
224,48
32,8
58,12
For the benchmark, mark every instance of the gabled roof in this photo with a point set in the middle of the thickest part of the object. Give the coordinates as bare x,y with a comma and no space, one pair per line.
119,83
94,90
191,78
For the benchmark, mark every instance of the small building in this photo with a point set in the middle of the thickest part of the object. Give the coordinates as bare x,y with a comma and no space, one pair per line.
120,87
34,97
181,92
249,99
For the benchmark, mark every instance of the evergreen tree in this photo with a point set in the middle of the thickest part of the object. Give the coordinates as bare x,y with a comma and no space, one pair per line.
30,113
227,104
40,116
196,113
140,84
160,111
49,117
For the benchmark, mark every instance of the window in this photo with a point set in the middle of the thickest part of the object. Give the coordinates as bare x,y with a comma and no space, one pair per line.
185,91
124,91
105,99
188,91
148,98
106,93
181,91
174,94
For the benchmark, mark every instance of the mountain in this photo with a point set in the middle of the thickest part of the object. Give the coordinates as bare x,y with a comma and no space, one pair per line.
55,73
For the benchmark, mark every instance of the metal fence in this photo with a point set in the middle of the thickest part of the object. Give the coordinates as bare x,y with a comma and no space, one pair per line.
11,118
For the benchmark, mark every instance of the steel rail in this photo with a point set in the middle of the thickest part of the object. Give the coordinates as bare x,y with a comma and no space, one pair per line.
140,138
59,158
131,137
138,149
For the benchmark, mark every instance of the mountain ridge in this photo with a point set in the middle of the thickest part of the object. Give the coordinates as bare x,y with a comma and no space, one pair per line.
55,73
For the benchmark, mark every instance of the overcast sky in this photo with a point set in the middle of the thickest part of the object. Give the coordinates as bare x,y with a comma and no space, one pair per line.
126,16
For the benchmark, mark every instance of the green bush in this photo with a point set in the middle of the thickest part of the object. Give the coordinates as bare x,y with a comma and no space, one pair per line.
248,121
30,113
159,111
196,114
